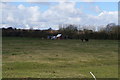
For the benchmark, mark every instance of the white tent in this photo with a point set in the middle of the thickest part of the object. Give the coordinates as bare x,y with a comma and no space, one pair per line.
58,35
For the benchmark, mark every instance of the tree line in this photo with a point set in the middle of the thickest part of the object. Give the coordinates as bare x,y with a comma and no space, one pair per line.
111,31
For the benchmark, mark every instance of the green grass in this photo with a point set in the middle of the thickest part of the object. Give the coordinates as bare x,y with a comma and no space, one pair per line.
36,58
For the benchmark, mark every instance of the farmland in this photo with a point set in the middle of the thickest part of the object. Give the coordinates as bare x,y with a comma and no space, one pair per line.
36,58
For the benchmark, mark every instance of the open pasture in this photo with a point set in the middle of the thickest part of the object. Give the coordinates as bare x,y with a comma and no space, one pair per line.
36,58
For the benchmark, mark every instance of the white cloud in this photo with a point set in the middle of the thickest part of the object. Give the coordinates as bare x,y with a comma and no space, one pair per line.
64,13
20,15
21,7
104,18
109,17
10,19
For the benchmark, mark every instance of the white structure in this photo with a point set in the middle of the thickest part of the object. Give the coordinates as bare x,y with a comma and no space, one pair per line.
59,35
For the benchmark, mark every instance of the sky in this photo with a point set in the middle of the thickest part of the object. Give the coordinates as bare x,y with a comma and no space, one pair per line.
43,15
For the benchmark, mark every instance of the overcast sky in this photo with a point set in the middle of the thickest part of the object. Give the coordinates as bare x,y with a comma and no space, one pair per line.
43,15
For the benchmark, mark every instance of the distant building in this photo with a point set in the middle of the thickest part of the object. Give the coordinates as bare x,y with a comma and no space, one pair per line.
59,36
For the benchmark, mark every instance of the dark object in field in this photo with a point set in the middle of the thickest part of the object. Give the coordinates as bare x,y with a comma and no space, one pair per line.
53,71
82,40
10,68
85,40
14,54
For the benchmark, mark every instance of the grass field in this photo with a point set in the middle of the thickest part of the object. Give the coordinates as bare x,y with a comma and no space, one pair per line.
36,58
